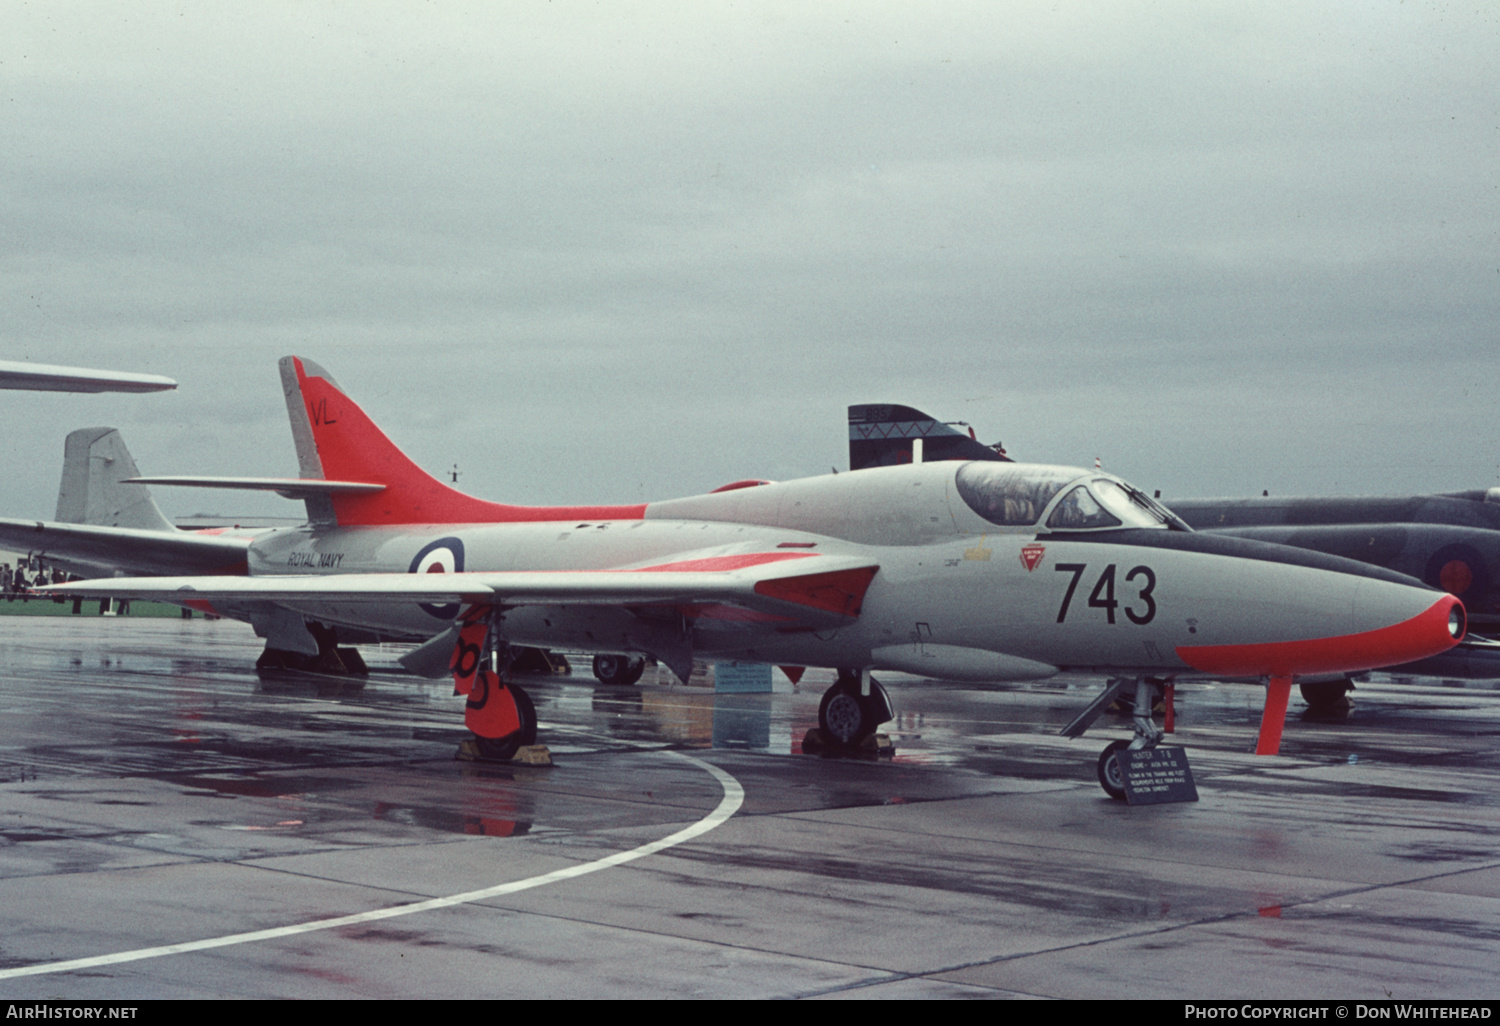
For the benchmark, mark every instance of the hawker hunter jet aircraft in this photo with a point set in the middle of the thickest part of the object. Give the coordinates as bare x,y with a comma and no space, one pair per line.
1450,541
959,570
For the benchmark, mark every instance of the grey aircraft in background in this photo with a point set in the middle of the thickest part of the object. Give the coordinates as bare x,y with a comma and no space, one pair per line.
1450,541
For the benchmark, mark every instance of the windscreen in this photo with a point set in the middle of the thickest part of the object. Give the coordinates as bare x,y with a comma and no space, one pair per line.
1133,508
1078,510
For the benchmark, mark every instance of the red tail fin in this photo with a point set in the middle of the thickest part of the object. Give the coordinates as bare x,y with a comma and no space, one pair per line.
336,440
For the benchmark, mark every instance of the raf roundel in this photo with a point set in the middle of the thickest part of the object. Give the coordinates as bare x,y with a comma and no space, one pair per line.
443,556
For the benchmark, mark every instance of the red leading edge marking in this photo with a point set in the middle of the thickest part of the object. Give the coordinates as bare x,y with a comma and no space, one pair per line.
1424,635
839,591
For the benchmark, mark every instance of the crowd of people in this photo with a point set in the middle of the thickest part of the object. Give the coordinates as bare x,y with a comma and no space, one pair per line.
17,581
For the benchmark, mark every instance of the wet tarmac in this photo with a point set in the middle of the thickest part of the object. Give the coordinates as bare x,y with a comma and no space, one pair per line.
173,826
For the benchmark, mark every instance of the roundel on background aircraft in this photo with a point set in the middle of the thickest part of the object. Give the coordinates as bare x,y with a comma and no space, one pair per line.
443,556
1460,569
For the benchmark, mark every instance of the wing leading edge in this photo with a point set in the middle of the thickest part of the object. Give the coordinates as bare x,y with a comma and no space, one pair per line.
830,596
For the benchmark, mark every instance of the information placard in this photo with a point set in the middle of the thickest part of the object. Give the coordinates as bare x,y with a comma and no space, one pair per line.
1155,776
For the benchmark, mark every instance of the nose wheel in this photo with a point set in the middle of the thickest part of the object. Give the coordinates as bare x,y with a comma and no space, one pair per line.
1111,776
1147,735
847,717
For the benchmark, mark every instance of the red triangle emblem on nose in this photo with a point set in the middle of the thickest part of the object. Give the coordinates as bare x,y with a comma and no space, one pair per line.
1031,555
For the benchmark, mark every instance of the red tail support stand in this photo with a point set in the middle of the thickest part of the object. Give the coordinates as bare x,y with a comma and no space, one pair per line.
1170,724
1274,717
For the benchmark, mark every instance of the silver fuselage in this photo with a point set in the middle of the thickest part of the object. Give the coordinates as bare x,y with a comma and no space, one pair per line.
955,595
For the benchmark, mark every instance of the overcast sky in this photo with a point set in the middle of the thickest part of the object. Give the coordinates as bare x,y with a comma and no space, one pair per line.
622,252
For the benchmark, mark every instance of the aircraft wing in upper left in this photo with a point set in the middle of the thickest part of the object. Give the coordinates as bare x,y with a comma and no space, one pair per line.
41,377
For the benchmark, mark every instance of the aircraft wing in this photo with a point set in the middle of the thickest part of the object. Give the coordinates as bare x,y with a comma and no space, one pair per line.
132,550
828,594
42,377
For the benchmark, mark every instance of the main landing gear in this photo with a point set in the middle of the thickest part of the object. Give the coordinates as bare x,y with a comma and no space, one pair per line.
850,711
619,669
503,710
1327,699
332,659
498,712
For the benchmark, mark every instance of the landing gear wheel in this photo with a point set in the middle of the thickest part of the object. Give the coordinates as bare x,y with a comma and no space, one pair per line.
1329,694
846,717
618,669
504,749
1111,776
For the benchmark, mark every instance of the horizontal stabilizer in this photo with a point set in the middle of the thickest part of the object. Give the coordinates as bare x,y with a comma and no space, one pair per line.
290,487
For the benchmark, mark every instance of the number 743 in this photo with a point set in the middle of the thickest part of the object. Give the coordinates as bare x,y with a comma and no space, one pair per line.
1103,595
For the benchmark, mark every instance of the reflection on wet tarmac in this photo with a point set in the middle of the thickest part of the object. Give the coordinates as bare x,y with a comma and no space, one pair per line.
137,776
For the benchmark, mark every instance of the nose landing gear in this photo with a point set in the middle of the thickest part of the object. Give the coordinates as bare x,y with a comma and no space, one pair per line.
1147,733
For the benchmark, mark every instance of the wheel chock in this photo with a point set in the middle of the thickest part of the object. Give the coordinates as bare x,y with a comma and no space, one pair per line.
815,742
528,755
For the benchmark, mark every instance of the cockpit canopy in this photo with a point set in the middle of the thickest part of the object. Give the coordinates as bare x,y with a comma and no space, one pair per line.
1019,495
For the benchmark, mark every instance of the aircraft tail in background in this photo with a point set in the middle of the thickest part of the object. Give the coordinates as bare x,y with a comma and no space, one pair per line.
95,465
885,434
106,526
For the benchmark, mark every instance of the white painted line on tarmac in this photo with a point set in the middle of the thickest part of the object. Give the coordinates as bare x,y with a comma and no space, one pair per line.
734,796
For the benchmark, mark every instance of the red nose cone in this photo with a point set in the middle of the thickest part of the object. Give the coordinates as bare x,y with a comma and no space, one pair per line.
1436,630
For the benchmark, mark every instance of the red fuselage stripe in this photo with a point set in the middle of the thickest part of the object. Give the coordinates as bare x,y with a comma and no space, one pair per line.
713,563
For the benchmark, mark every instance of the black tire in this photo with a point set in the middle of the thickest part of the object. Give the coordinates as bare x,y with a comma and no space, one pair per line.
846,717
504,749
1111,776
618,669
1325,694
